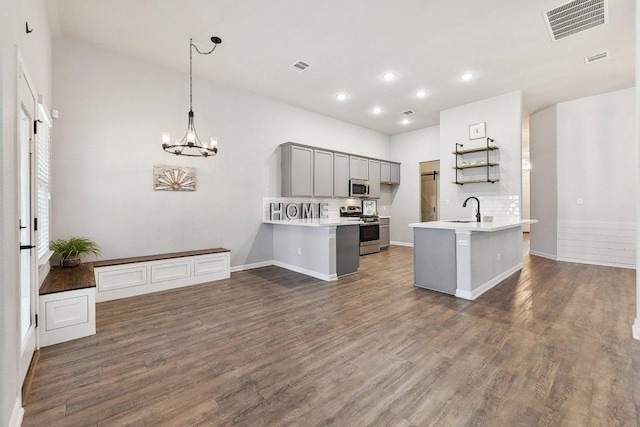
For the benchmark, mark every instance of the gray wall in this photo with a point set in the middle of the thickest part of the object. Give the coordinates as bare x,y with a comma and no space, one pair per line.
112,111
410,149
544,182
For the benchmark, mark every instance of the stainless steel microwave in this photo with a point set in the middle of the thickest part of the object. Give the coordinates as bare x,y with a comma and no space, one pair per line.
359,188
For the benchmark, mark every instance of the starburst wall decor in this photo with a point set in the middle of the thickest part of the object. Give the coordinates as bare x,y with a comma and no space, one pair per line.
174,178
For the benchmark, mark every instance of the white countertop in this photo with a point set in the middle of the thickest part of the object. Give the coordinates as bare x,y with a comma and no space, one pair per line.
317,222
496,225
384,216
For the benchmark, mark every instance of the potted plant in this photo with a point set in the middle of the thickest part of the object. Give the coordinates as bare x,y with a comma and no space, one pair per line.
69,250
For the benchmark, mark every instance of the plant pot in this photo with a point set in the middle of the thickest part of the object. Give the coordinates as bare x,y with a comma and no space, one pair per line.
70,262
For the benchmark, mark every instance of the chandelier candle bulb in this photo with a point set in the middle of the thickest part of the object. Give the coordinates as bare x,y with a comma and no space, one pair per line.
166,138
214,142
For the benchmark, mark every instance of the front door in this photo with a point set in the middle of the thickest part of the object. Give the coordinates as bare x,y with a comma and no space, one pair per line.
25,143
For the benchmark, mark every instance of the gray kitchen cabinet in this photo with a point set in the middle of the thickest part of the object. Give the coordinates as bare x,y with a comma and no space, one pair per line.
385,237
385,172
340,175
322,173
374,179
358,168
395,173
297,171
347,249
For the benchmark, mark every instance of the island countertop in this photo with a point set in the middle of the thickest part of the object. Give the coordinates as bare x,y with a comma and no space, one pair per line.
496,225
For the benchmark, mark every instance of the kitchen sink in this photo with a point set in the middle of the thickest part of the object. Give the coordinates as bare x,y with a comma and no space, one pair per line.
462,221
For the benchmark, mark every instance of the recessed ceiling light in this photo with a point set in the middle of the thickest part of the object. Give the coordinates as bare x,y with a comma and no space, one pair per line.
377,110
421,93
405,121
341,96
389,76
466,76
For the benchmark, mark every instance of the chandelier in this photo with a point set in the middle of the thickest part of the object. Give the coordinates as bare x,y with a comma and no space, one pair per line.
190,144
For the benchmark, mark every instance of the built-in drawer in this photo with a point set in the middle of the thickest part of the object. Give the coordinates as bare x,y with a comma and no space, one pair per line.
210,264
121,277
170,270
66,312
384,221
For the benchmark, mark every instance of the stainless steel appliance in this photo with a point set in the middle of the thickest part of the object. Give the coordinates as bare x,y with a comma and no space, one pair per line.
359,188
369,229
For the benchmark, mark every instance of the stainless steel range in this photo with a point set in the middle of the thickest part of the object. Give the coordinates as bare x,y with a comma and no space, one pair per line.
369,229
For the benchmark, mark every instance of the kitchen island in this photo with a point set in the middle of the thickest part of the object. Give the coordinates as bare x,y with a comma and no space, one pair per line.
466,258
322,248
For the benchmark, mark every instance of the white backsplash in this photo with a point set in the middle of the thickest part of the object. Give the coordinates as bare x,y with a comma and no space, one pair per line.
500,206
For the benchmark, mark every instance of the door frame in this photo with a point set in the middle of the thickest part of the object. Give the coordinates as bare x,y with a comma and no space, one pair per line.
29,345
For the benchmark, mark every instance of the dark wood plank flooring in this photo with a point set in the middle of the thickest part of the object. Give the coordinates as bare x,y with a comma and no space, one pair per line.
551,345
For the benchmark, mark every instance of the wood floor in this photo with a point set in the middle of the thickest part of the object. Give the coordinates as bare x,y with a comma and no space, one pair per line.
549,346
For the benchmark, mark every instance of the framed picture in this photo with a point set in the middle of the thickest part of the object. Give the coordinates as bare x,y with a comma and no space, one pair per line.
477,131
174,178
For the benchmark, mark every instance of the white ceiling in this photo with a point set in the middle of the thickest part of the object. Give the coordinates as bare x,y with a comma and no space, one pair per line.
350,44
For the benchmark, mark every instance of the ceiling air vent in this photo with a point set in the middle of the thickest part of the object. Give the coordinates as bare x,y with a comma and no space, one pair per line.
575,17
597,57
300,66
407,113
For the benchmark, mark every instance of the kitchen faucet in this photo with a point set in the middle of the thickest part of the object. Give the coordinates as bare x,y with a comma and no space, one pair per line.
464,205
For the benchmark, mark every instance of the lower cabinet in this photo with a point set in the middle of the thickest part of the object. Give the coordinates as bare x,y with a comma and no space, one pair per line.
126,280
67,315
385,238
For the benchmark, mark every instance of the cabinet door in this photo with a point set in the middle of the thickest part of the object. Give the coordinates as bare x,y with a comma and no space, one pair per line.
384,236
363,168
322,173
301,171
385,172
395,173
340,175
353,167
374,178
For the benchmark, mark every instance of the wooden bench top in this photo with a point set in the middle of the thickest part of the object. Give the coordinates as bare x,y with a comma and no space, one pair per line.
120,261
72,278
62,279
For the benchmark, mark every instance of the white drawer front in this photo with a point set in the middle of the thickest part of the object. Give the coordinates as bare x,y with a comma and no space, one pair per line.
122,278
161,272
66,312
209,264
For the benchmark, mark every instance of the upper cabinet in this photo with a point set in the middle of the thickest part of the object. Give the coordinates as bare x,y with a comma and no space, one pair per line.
389,173
315,172
340,175
358,168
297,171
322,173
374,179
395,173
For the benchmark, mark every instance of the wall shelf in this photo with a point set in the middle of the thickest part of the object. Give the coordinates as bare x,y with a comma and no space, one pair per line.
486,163
475,181
476,150
477,165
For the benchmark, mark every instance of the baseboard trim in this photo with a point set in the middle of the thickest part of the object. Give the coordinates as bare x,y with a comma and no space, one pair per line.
590,262
488,285
635,329
251,266
405,244
543,255
321,276
17,414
